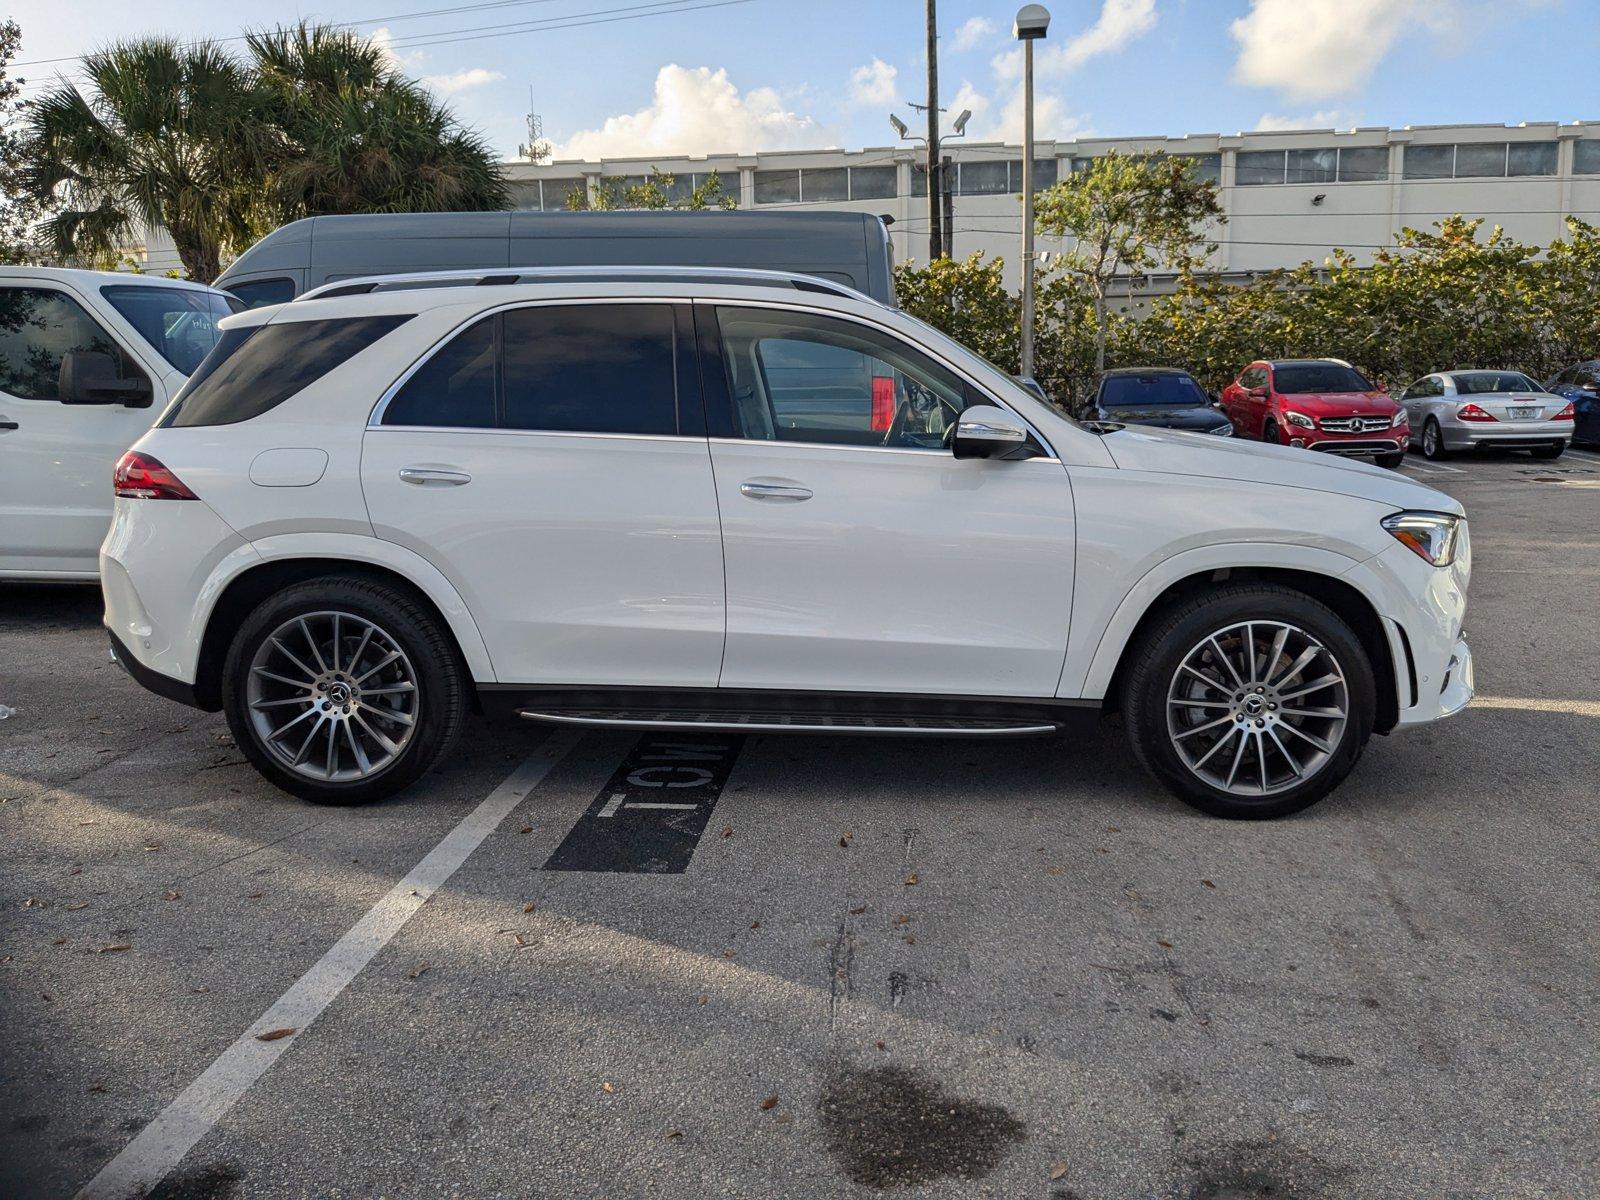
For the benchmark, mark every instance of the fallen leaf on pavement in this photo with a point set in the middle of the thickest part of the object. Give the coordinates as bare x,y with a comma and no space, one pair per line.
910,939
1164,945
521,941
75,907
911,879
418,971
608,1087
90,821
881,1046
727,831
273,1035
844,840
1208,883
98,1088
152,847
770,1103
755,924
528,907
902,919
1057,1171
112,949
526,829
702,999
858,910
59,942
1055,870
172,895
674,1133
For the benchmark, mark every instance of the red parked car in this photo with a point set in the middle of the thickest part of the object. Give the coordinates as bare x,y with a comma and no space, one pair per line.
1318,403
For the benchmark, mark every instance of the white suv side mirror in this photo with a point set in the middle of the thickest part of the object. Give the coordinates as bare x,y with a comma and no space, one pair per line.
985,431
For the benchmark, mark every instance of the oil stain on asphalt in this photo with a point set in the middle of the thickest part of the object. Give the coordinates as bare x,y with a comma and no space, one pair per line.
888,1127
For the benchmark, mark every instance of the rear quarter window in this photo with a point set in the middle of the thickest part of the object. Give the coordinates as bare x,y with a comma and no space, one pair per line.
251,371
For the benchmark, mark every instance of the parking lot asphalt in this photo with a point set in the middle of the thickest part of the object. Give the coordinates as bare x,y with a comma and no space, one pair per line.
884,966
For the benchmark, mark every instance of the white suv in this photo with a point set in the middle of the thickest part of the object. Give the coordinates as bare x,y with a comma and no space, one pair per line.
742,500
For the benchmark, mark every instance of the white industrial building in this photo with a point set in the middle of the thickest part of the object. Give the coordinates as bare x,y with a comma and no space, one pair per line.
1288,196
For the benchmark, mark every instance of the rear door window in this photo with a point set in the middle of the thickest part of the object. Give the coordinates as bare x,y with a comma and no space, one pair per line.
269,365
38,328
590,368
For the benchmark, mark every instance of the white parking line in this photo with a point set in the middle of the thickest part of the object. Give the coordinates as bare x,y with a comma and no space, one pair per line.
161,1145
1420,469
1582,708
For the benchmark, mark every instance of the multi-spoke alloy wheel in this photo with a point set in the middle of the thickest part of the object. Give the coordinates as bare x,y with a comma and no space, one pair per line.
1257,708
333,696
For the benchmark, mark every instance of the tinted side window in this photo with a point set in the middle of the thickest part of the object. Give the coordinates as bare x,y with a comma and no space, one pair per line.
456,387
272,365
590,368
259,293
38,326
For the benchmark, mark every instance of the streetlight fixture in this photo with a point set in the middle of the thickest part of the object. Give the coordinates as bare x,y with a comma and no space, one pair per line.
1032,23
899,126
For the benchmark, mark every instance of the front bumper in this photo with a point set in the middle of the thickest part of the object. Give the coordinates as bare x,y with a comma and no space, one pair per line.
1357,445
1457,690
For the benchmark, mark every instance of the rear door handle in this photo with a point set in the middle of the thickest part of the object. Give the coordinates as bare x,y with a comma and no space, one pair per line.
433,477
5,424
773,491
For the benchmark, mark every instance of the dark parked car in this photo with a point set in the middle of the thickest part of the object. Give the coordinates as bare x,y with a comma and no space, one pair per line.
1163,396
1580,384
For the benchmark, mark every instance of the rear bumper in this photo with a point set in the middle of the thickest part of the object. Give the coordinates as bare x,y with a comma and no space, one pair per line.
1468,437
154,681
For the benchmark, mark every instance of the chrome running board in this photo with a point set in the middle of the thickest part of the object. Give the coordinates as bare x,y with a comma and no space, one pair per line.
725,722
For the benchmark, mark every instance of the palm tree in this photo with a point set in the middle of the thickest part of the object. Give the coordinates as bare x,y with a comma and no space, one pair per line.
167,135
353,135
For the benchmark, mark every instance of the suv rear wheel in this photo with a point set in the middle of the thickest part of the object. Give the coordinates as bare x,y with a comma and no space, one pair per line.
343,690
1250,701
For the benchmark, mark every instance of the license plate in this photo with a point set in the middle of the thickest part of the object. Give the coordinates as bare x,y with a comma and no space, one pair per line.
1522,412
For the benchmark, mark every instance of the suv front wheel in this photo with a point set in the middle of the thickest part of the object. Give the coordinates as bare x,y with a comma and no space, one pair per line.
1251,700
343,690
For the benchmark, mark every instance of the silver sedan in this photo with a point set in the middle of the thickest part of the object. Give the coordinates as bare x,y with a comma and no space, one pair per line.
1470,410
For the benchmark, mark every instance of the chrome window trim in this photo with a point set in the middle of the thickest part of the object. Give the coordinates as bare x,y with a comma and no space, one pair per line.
928,351
921,451
486,430
375,417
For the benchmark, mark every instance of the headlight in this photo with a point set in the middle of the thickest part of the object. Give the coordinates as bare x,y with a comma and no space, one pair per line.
1399,419
1298,418
1429,535
1224,430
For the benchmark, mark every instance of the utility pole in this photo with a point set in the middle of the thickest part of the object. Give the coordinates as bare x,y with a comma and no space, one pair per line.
947,191
935,204
1033,22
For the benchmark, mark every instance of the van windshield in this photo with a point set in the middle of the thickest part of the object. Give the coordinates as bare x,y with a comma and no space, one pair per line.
179,322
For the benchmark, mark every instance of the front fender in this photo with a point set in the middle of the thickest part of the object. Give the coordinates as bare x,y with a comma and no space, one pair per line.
1088,669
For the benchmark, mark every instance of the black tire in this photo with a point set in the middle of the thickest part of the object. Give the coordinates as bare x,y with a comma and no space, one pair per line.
441,684
1269,433
1391,461
1162,647
1434,448
1548,452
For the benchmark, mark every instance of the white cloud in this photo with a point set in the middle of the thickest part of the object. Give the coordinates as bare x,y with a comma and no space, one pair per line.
696,110
1326,118
400,60
462,80
1310,49
1001,119
1119,22
873,84
973,32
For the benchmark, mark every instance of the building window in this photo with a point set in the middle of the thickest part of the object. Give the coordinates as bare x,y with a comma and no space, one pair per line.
1313,166
1044,174
1531,158
1430,162
554,192
1363,164
824,183
1480,160
1586,156
872,183
777,187
919,179
983,178
1252,168
1207,167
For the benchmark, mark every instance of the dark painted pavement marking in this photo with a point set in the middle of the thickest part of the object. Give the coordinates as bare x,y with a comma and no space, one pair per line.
650,814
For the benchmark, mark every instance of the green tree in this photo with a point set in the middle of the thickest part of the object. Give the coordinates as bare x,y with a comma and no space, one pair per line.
1122,217
18,212
346,133
165,136
658,191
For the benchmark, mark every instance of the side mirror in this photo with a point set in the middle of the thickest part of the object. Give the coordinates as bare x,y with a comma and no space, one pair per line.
984,431
90,377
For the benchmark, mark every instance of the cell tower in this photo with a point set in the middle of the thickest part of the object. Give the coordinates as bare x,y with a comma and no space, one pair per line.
536,149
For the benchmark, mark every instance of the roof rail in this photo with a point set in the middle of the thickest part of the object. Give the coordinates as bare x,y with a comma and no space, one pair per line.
744,277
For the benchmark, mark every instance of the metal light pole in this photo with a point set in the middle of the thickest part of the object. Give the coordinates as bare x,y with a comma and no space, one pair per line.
1033,21
935,236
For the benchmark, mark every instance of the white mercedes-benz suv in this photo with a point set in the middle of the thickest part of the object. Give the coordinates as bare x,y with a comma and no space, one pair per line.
712,500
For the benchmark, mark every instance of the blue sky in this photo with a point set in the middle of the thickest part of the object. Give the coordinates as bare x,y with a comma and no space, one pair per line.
792,74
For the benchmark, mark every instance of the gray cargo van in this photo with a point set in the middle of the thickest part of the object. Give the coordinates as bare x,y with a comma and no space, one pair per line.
848,248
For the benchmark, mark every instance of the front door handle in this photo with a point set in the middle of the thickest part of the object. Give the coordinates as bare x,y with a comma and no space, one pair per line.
433,477
773,491
5,424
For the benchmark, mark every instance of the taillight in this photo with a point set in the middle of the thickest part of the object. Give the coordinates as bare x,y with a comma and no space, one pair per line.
141,477
1471,412
1566,414
882,403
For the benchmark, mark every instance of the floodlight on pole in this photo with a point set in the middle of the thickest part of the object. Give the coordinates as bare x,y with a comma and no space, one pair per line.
961,122
899,126
1032,23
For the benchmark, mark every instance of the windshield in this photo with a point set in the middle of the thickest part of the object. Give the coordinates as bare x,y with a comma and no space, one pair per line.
181,323
1319,377
1137,391
1478,382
